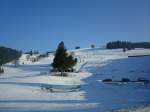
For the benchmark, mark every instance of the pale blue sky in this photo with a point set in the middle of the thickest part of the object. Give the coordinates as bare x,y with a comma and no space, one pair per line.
42,24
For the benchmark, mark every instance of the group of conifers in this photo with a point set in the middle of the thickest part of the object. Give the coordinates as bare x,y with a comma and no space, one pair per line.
62,61
8,55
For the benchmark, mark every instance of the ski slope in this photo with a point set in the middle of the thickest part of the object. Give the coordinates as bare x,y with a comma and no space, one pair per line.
22,87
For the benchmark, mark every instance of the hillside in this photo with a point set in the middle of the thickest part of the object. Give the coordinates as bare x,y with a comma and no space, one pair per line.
25,87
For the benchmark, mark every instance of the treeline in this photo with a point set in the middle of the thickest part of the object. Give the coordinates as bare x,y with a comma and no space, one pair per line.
8,55
126,44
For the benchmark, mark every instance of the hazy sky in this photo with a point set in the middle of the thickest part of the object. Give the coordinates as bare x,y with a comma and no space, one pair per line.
42,24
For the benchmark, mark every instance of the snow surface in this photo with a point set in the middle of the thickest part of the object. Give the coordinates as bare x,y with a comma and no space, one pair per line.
21,87
137,109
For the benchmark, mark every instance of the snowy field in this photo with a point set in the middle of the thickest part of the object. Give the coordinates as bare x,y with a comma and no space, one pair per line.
24,88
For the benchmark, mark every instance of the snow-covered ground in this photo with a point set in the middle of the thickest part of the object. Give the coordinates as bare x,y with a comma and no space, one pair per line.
22,87
135,109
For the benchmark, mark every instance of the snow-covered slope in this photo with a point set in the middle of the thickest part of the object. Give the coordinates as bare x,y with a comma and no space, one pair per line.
22,87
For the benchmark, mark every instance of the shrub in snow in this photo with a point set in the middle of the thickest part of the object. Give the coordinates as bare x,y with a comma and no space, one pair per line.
107,80
125,80
143,80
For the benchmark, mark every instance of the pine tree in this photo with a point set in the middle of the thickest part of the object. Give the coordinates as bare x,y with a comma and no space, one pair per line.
92,46
62,60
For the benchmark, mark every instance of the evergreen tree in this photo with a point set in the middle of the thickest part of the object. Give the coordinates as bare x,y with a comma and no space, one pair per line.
62,60
92,46
77,47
